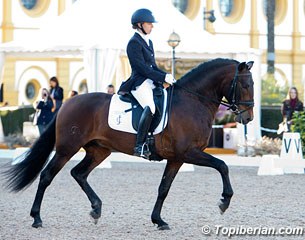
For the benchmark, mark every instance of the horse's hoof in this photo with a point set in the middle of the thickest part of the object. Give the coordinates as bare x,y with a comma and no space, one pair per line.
37,225
94,216
222,207
164,227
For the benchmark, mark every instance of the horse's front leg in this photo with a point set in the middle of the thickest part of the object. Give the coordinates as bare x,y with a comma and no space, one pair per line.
197,157
168,177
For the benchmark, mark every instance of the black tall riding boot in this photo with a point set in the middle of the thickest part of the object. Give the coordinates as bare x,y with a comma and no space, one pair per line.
141,150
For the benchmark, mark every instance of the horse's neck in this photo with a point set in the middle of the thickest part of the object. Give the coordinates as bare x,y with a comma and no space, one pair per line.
213,87
205,93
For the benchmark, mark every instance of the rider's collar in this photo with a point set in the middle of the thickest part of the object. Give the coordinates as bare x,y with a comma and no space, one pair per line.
145,37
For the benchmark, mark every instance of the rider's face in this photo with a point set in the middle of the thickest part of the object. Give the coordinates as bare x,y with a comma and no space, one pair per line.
147,27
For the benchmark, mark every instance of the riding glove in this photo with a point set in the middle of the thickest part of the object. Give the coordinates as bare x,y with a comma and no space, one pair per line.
170,79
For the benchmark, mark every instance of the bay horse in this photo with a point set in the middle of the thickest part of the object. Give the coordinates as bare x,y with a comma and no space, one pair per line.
82,123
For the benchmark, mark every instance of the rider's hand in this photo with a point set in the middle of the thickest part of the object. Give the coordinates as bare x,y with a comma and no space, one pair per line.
170,79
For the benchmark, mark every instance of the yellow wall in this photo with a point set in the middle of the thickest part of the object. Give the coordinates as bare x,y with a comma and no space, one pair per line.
62,73
62,69
7,25
10,93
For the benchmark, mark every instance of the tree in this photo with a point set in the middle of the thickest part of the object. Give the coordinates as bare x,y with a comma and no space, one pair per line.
270,36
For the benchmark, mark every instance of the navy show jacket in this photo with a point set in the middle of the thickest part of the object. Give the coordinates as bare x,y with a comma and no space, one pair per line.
58,96
143,64
46,114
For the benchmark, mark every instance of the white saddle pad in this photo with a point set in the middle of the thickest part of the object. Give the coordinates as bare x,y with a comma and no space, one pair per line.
120,120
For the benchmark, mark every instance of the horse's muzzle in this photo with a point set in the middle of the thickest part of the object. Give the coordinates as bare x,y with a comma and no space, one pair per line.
244,117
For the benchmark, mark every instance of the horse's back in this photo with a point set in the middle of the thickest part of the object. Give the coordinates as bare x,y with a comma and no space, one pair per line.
83,104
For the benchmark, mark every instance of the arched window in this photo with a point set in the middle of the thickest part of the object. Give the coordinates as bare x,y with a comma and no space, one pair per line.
31,90
181,5
226,7
231,10
29,4
189,8
34,8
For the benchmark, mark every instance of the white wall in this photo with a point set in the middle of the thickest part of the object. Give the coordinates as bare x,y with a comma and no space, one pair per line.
28,70
77,75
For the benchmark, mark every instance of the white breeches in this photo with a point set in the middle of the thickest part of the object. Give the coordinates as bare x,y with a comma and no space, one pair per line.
144,95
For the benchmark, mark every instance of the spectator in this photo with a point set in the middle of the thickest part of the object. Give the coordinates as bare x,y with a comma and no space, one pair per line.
43,106
110,89
72,93
290,105
56,93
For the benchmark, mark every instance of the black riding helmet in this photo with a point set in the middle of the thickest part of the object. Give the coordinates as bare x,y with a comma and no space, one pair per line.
140,16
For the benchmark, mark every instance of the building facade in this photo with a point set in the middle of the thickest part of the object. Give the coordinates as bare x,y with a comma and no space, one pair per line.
239,24
23,76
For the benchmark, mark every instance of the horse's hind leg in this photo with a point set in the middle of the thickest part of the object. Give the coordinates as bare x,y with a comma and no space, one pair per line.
168,177
94,156
197,157
46,177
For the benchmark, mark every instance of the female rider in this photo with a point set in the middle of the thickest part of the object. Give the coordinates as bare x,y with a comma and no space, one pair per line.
145,75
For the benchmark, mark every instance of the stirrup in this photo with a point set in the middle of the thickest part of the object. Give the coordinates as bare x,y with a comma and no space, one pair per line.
144,153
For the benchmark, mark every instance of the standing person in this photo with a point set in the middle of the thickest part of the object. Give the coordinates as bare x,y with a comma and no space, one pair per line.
72,93
110,89
43,106
56,93
290,105
145,75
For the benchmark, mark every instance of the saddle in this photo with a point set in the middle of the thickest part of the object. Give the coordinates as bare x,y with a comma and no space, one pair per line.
137,109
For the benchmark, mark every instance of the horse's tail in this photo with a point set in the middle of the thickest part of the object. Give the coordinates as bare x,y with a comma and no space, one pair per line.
22,174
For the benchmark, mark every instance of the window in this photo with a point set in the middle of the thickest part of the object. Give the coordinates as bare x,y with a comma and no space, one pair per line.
34,8
181,5
30,91
29,4
189,8
226,7
231,11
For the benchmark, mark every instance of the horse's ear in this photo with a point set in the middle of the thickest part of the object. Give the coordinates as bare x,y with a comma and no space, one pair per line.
250,65
242,66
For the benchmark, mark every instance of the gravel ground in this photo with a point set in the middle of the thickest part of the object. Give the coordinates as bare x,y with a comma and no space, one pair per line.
129,191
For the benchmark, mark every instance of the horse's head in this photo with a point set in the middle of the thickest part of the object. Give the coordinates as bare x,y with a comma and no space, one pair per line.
241,93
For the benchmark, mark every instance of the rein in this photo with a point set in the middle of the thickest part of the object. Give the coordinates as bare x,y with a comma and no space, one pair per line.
232,103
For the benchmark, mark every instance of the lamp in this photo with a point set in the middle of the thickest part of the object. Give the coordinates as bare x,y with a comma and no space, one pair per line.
173,41
211,18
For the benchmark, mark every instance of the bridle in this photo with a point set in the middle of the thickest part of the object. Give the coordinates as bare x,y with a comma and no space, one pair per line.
233,103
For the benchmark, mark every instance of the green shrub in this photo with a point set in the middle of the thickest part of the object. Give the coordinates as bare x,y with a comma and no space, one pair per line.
13,117
298,125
